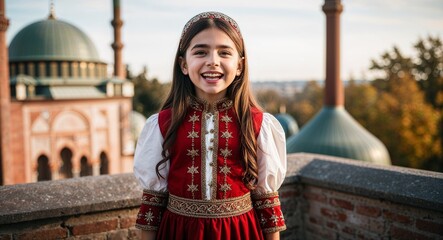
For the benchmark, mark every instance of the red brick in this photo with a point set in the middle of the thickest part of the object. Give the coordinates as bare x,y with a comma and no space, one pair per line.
289,194
368,211
401,233
348,230
95,227
315,197
53,233
341,203
334,215
5,237
397,217
429,226
127,222
316,220
331,225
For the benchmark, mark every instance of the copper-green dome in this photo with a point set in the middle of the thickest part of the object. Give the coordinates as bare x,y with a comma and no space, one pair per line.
288,123
52,40
334,132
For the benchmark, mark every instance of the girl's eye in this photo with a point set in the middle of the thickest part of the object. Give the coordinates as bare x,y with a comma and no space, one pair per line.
199,53
225,53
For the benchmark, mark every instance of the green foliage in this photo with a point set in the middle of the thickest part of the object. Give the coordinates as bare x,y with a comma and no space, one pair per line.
149,94
407,114
307,103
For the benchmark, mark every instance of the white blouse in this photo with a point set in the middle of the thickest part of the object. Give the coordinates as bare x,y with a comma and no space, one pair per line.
271,156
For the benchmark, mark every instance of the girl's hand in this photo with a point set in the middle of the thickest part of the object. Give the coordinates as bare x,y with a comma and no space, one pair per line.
148,235
272,236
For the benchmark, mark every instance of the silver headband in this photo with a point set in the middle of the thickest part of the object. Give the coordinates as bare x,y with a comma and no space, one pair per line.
211,15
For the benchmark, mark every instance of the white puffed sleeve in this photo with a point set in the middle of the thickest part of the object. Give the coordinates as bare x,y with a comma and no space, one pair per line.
271,155
148,154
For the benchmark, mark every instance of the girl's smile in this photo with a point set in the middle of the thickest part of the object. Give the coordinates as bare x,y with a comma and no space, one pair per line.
212,63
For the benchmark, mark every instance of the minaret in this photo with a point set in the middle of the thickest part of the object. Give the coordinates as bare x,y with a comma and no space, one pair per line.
333,131
119,70
334,95
5,97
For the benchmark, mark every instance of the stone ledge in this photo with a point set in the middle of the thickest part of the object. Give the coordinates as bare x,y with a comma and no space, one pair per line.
42,200
51,199
413,187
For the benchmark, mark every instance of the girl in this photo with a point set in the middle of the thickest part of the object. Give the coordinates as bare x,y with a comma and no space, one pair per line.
210,162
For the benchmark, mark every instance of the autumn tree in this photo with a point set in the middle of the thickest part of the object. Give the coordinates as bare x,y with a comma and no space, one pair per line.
304,105
270,100
404,121
428,69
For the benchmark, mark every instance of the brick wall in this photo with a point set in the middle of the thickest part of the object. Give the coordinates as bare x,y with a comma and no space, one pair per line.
322,198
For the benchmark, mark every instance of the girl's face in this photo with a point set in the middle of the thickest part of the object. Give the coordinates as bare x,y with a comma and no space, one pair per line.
212,62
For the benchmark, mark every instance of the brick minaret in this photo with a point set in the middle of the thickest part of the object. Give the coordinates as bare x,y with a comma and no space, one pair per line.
119,70
5,100
334,95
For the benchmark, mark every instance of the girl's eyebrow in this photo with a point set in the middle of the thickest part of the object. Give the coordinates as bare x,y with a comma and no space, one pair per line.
207,46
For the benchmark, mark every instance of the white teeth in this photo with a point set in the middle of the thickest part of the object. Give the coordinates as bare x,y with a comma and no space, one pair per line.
211,75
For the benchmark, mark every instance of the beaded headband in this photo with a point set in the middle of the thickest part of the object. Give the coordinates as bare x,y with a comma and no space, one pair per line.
211,15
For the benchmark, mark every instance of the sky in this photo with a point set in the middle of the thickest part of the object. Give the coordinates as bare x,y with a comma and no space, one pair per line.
285,39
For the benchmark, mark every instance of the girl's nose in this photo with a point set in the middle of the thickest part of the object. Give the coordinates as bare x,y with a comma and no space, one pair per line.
213,60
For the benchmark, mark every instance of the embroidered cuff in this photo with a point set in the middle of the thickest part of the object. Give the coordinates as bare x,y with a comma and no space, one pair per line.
151,210
267,207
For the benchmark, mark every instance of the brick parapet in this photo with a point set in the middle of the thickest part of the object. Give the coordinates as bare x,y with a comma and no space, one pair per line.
322,198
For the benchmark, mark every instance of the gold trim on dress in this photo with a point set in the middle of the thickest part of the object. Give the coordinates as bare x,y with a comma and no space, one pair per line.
218,208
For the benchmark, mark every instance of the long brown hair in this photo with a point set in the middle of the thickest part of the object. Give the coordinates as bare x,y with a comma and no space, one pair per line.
239,91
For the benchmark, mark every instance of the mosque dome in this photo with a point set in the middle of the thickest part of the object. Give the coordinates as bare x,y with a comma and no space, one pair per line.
334,132
288,123
52,40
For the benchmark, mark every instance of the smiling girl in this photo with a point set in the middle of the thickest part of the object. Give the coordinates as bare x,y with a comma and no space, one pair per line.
210,162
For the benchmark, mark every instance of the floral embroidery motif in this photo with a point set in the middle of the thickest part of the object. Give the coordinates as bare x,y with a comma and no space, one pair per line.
193,134
192,169
192,188
225,187
225,152
193,118
226,119
149,216
193,153
226,134
225,169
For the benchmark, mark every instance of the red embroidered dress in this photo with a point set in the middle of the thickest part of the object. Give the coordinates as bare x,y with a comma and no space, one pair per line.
203,195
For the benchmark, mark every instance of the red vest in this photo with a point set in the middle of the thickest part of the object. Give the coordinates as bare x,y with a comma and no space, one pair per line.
188,155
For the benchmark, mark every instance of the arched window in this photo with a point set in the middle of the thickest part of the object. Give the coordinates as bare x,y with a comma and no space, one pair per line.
66,167
43,169
104,164
85,167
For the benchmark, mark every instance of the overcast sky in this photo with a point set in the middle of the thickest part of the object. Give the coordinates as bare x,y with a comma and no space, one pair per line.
285,39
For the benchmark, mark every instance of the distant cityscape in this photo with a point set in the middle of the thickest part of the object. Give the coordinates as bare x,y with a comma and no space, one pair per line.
288,88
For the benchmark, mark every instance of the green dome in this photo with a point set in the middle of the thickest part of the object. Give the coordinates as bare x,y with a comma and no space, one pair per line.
334,132
288,123
52,40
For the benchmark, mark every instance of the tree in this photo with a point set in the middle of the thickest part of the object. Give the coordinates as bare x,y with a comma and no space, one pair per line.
270,100
404,121
360,100
149,94
428,69
307,103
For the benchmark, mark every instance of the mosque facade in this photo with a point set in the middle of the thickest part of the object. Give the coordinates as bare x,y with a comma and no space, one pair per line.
67,117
